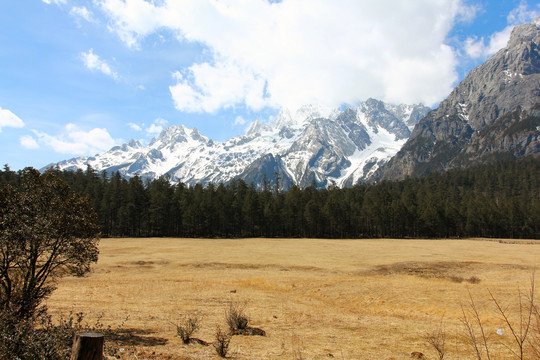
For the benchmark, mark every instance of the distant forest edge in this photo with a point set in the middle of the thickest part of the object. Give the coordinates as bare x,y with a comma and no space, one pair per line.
499,200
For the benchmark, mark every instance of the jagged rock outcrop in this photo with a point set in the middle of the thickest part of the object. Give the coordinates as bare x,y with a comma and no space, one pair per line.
493,113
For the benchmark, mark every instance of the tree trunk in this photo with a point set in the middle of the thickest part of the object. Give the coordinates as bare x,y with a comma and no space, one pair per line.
87,346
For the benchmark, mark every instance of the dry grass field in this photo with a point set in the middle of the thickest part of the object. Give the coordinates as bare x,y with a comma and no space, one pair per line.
316,299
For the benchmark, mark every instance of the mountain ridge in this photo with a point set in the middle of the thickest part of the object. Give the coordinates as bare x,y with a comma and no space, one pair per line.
494,112
311,145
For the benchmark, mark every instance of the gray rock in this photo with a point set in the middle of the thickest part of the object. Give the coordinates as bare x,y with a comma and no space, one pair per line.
493,113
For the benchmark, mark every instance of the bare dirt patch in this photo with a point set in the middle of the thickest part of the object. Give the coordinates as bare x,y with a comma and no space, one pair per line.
246,266
450,270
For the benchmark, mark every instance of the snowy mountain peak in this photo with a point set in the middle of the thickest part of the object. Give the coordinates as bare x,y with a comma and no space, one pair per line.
134,144
131,145
302,115
175,133
312,144
178,134
254,129
307,113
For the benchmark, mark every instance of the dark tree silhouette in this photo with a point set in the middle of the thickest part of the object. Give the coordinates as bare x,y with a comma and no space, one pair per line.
46,231
500,199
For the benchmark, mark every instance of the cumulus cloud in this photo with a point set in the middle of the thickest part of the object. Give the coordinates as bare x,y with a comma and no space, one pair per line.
483,48
28,142
132,19
9,119
296,52
477,48
95,63
153,129
291,53
161,121
82,13
76,141
523,14
208,88
156,127
239,121
135,127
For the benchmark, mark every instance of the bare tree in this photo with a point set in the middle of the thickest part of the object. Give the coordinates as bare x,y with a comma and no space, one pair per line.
437,339
520,331
46,231
476,341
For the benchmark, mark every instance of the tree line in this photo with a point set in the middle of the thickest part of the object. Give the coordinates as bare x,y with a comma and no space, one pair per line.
500,200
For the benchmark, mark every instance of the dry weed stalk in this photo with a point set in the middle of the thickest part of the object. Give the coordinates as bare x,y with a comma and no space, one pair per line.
235,316
473,338
520,332
187,328
297,347
535,334
223,340
437,340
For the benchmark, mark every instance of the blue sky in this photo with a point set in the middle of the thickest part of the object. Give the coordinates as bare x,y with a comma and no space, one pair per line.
80,76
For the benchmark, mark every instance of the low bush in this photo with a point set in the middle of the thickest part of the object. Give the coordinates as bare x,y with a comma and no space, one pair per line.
437,340
187,328
29,339
223,340
41,338
235,317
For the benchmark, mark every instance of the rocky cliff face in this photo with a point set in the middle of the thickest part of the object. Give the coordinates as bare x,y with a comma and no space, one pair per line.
494,112
311,145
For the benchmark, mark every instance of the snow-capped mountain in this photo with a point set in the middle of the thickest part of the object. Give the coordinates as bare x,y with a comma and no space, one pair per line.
313,144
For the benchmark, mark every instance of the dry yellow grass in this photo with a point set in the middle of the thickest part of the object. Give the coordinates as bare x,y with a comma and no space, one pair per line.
316,299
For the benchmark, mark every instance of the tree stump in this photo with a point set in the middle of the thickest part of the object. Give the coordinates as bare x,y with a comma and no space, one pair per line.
87,346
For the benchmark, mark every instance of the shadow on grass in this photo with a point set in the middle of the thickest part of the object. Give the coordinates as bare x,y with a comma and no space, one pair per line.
136,337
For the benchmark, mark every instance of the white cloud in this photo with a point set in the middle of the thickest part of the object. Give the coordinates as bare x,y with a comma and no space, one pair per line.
498,40
523,14
97,138
239,121
77,141
29,142
480,48
95,63
295,52
483,48
82,13
209,88
135,127
156,127
466,13
474,47
132,19
57,2
160,121
9,119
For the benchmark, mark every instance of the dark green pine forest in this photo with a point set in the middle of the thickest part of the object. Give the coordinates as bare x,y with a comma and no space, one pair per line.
499,200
